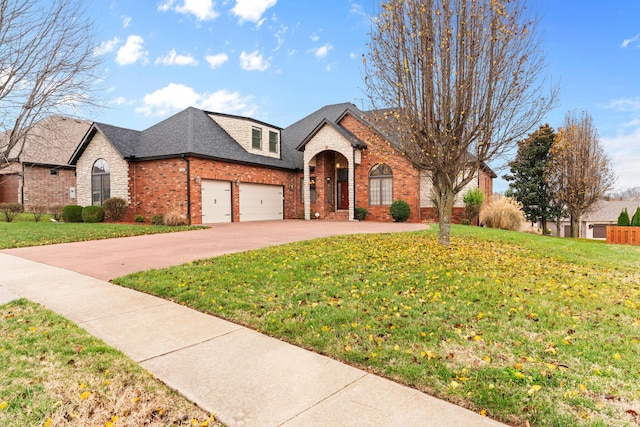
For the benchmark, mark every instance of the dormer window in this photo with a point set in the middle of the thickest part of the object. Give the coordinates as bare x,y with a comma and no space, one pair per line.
273,142
256,138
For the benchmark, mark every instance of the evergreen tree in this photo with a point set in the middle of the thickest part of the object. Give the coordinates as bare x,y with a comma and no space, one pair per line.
623,218
528,183
635,220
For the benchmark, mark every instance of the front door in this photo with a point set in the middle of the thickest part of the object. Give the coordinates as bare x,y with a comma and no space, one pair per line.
343,195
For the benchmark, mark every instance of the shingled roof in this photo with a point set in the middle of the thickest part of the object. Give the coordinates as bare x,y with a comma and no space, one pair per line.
190,132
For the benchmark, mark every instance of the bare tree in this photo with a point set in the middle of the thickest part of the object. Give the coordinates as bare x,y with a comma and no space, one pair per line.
579,171
47,66
459,81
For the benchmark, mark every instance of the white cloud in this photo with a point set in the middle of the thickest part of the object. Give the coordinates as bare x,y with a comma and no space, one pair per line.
252,10
322,51
132,51
126,20
216,61
106,47
172,58
253,61
203,10
627,42
625,104
315,37
175,97
279,35
624,150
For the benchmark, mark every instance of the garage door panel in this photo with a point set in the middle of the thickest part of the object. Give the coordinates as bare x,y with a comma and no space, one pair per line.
261,202
216,201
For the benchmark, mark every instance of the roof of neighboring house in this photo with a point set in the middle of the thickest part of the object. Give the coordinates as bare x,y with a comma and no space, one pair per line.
609,210
189,132
51,141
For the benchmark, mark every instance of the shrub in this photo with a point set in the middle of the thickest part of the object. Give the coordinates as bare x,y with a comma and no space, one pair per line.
465,222
623,219
139,219
56,211
71,213
361,214
92,214
37,211
10,210
157,219
174,218
115,209
505,214
400,210
473,200
635,220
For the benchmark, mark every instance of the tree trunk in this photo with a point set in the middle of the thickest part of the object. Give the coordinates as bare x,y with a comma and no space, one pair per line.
575,226
445,212
543,222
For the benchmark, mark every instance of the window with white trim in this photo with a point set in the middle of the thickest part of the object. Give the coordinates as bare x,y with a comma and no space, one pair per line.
100,182
256,138
380,185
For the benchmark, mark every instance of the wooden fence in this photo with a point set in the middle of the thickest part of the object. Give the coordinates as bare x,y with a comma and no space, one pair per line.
623,235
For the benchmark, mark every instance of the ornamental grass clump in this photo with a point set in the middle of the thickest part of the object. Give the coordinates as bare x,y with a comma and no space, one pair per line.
505,214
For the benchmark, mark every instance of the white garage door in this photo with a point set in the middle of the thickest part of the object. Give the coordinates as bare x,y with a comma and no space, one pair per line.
216,201
260,202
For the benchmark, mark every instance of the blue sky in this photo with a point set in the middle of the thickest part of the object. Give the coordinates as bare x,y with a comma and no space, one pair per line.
279,60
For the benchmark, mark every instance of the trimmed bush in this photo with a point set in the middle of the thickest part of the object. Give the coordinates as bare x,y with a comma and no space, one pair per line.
37,211
157,219
139,219
473,200
92,214
56,211
505,214
115,209
635,220
71,213
10,210
400,210
361,214
623,219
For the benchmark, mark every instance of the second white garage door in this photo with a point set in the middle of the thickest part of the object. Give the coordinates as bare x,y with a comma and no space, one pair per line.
261,202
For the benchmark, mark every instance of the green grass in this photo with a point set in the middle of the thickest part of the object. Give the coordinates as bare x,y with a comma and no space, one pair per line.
23,231
519,327
54,373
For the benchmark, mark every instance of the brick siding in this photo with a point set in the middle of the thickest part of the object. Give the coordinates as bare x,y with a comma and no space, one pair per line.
42,188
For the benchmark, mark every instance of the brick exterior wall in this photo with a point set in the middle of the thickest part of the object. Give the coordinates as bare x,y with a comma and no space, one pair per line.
160,186
42,188
100,148
406,179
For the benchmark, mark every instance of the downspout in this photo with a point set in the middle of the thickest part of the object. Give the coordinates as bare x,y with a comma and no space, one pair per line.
188,166
353,159
22,186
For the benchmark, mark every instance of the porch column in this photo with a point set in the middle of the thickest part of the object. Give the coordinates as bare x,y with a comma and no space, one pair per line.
306,192
352,187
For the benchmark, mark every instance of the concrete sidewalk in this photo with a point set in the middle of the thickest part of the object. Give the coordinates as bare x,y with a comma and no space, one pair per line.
245,378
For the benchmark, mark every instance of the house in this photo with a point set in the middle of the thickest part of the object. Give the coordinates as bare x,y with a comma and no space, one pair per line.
211,167
593,224
40,175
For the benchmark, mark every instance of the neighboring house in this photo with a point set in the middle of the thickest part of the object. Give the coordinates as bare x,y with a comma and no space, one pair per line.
593,225
41,175
211,167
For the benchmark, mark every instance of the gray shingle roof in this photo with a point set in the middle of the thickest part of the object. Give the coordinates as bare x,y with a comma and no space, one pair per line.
608,211
189,132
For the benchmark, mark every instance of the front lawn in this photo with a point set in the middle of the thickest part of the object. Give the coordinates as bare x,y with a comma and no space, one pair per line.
23,231
53,373
521,328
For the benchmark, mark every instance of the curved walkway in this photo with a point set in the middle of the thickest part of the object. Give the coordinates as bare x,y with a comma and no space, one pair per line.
245,378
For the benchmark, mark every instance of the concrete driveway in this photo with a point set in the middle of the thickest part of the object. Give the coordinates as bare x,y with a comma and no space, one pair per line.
111,258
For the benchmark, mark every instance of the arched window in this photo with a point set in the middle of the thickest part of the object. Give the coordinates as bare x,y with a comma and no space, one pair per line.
380,185
100,182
